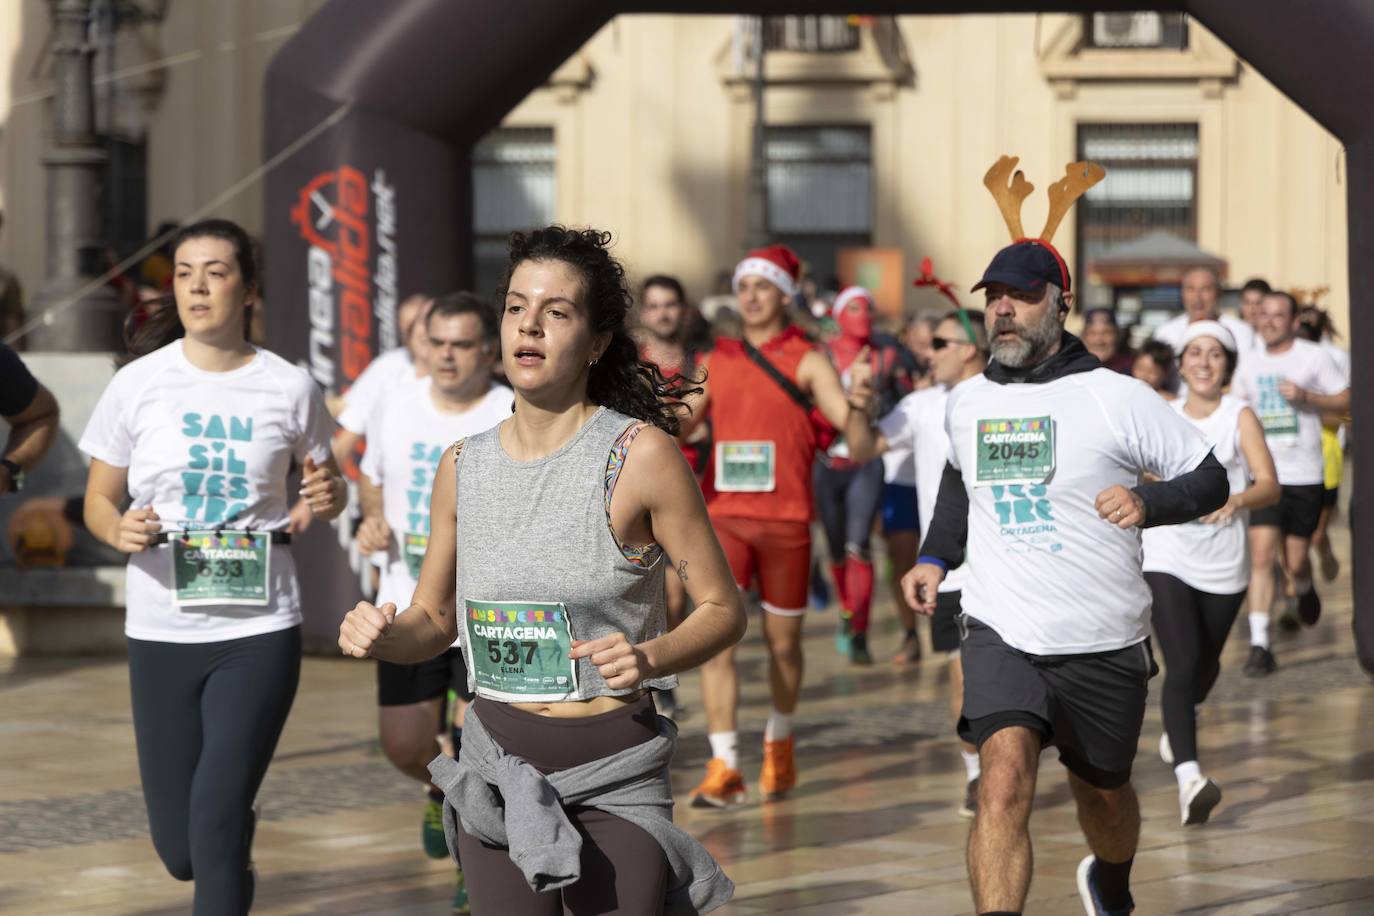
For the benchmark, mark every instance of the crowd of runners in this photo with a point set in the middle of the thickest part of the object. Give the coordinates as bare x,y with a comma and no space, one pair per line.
576,492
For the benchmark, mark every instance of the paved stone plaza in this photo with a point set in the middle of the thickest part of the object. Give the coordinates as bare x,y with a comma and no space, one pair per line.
872,828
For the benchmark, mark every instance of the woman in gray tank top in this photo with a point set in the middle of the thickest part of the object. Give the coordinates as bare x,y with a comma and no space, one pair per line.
550,538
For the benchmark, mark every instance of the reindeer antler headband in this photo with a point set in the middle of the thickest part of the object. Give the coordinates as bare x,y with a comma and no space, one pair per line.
1010,189
1078,177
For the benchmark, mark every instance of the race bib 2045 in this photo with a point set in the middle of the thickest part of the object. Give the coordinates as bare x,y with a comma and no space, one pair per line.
221,567
1013,450
520,651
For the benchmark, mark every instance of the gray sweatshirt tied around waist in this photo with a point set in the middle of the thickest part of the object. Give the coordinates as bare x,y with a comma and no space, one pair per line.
504,801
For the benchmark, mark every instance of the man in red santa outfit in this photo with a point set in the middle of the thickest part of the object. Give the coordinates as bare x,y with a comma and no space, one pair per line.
771,397
849,495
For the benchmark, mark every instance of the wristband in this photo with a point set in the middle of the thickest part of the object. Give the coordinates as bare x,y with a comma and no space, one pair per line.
933,561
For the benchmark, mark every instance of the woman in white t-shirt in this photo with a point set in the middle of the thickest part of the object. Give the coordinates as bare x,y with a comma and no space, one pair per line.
198,435
1198,572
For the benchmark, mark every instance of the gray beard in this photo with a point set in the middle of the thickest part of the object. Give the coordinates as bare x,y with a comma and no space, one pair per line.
1029,347
1013,354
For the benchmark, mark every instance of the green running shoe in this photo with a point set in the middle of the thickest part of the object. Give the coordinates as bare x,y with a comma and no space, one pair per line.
460,897
432,832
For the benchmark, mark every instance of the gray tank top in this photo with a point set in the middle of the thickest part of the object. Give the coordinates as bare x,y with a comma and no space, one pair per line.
540,531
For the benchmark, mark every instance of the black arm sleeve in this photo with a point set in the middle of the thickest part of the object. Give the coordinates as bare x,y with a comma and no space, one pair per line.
948,533
1202,490
18,387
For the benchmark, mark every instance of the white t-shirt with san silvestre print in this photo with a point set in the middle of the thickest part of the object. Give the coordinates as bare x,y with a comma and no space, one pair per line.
202,449
1044,571
1292,432
408,436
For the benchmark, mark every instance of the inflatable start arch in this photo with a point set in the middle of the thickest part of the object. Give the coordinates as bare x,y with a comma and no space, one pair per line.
380,201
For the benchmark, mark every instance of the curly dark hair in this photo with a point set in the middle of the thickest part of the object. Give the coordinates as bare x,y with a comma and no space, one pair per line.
619,379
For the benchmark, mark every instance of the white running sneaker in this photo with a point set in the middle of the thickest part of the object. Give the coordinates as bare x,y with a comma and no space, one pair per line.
1166,750
1088,893
1196,799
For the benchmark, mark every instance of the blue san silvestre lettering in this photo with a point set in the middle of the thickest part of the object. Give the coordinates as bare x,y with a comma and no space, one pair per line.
215,481
424,462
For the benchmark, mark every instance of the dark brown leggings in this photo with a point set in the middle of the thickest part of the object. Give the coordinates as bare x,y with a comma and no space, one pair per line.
624,869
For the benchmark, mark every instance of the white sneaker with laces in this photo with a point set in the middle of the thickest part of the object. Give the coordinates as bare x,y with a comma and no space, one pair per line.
1196,799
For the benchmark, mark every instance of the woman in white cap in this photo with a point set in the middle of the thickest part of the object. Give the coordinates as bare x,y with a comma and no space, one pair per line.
1198,572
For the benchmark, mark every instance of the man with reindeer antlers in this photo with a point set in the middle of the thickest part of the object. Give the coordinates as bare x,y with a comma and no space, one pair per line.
1040,502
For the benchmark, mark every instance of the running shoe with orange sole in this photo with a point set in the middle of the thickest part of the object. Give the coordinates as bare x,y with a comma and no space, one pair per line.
779,775
723,786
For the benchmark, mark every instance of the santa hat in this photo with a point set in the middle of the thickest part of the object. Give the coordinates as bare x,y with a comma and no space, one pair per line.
776,264
848,295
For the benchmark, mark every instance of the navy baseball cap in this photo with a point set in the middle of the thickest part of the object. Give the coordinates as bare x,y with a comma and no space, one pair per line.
1026,264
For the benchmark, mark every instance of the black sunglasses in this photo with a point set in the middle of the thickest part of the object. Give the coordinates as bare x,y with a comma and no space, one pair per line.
939,343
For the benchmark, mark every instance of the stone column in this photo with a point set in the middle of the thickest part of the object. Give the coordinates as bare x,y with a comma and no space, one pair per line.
75,162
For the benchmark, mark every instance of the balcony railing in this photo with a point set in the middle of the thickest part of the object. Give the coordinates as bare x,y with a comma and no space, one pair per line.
810,34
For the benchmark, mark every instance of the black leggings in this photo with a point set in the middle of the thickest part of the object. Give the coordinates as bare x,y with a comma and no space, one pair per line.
624,869
206,719
1191,627
847,502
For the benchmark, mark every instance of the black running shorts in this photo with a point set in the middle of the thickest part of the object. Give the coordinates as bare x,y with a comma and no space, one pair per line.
1296,513
1091,707
402,685
944,623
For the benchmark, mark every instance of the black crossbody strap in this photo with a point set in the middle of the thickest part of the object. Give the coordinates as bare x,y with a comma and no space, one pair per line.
783,382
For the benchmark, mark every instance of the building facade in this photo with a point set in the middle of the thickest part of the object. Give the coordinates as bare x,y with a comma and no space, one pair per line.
878,132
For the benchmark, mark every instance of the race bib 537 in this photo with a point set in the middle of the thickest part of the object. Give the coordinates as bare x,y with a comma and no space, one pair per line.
520,651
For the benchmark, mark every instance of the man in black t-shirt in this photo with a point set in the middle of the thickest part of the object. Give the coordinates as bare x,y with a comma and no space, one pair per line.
31,413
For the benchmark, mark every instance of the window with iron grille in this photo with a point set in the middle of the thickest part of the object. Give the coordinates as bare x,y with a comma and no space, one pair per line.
513,189
812,34
1136,30
820,191
1151,184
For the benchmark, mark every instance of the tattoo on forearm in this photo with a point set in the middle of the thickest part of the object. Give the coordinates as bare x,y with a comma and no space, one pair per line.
682,570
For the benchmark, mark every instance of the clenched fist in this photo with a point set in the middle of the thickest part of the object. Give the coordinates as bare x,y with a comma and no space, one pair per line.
920,585
621,663
323,490
861,381
137,529
374,535
1121,507
365,626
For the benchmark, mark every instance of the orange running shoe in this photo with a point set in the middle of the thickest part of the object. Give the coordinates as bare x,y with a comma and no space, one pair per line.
779,774
722,787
